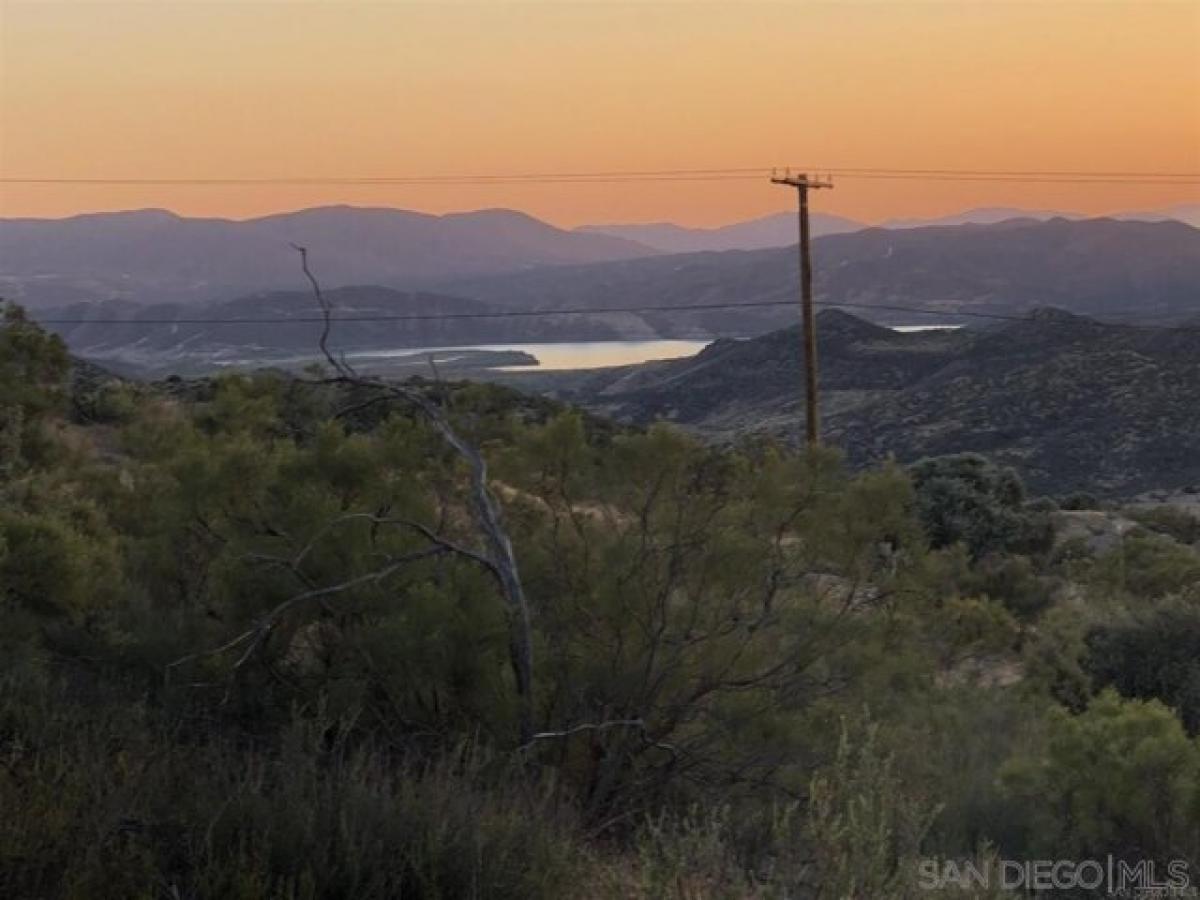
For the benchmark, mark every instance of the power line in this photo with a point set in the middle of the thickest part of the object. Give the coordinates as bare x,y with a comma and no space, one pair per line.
486,182
573,311
1059,172
1018,179
433,181
1172,178
419,317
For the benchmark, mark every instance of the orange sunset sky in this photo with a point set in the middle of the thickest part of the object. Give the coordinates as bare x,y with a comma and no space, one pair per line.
346,89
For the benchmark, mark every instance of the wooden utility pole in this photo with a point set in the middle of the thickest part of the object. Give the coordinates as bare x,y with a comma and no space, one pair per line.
802,183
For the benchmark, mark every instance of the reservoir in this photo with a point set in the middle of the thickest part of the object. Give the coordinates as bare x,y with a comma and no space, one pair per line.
552,357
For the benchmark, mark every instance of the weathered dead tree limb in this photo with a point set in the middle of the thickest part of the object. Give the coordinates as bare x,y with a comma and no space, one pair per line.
499,555
638,726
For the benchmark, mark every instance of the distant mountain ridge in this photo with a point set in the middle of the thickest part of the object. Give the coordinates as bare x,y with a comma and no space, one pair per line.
1188,213
155,255
780,229
776,230
983,215
1099,267
1126,270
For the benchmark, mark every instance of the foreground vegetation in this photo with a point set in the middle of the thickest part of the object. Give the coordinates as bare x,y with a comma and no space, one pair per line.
253,643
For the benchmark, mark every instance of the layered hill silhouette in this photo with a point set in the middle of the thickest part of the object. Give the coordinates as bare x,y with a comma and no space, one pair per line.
1099,267
1120,271
779,229
776,230
155,256
275,326
1072,403
1188,213
510,260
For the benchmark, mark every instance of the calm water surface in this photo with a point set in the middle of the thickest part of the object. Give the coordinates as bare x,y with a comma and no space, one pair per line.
584,354
580,355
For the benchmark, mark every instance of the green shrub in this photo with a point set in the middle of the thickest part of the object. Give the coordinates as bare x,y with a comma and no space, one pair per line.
1080,500
1122,777
1151,653
1173,521
965,498
1015,582
1146,566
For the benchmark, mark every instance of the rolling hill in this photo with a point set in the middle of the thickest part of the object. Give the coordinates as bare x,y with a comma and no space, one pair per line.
1071,403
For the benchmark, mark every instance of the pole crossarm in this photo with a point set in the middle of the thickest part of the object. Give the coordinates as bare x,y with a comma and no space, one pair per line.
803,181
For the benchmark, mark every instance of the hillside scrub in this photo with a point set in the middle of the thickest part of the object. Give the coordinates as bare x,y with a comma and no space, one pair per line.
250,647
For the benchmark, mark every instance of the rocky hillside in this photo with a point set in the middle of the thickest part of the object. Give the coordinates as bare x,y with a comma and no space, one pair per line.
1071,403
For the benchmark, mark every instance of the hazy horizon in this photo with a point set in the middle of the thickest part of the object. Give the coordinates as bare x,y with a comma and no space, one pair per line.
203,90
651,221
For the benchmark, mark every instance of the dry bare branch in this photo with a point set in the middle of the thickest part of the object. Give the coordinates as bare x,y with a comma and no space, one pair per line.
638,725
499,555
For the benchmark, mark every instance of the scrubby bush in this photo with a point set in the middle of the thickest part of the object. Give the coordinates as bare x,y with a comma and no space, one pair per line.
1173,521
965,498
1151,653
1015,582
1080,500
1121,778
1146,566
33,371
